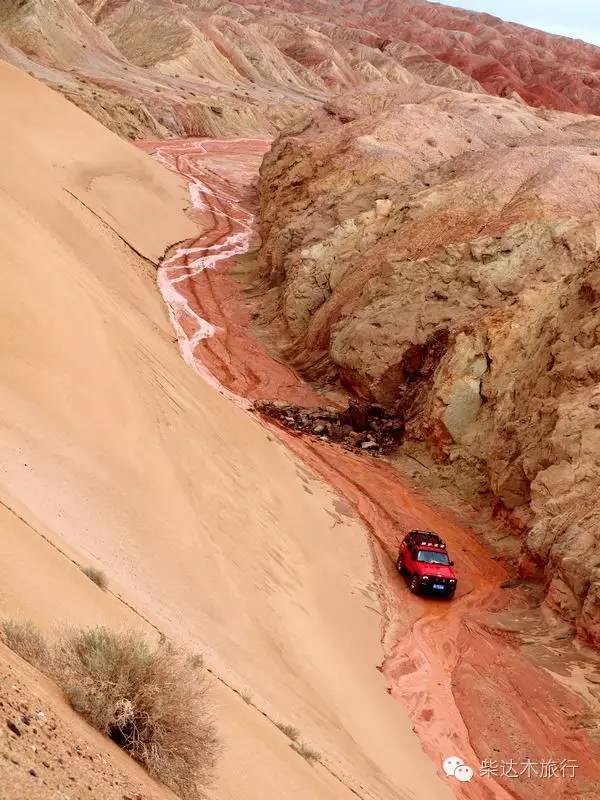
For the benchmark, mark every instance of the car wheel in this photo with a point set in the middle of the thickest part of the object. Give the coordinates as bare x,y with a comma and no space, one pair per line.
415,584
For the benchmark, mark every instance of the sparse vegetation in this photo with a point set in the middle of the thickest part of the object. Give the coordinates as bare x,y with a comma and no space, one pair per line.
26,640
196,660
150,700
306,752
96,576
289,731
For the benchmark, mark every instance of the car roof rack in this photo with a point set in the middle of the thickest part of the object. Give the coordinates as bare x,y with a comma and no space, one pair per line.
427,539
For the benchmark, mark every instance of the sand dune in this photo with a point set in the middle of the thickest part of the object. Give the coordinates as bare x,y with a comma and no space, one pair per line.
114,452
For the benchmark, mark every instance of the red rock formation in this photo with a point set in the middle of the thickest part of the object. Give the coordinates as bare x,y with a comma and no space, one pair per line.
163,68
505,58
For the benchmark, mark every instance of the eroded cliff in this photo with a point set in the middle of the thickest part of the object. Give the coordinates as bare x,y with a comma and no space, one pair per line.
437,252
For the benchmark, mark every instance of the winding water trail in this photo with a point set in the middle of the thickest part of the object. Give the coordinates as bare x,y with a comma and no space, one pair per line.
467,688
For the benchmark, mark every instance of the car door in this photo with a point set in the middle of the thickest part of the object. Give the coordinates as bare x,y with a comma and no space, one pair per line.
411,555
404,554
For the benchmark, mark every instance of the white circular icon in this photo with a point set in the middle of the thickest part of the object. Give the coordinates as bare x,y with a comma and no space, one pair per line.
451,764
463,773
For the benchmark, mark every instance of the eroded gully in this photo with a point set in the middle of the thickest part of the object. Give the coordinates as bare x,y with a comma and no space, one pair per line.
467,687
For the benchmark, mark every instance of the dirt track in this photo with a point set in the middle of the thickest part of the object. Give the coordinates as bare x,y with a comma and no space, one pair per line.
468,688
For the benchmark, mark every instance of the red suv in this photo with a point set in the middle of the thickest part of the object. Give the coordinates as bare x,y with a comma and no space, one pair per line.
423,557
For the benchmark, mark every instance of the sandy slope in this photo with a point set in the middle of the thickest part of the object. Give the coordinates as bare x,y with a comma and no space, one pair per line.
112,449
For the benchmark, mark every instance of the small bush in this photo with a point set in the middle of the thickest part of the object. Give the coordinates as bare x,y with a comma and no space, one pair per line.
196,660
288,730
25,639
306,752
96,576
150,701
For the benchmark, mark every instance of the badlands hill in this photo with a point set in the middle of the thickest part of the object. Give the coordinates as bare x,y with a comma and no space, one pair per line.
437,252
157,68
503,57
160,68
114,453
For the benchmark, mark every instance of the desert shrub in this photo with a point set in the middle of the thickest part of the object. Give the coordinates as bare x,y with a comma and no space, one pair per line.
196,660
288,730
26,640
96,576
306,752
149,700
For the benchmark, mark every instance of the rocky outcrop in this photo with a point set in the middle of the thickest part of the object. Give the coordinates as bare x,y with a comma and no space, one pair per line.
438,253
362,427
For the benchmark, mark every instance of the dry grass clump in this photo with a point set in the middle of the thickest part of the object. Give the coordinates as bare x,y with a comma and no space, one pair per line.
145,35
150,700
288,730
96,576
24,639
306,752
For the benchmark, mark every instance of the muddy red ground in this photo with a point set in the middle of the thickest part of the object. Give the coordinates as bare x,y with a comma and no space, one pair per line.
468,686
